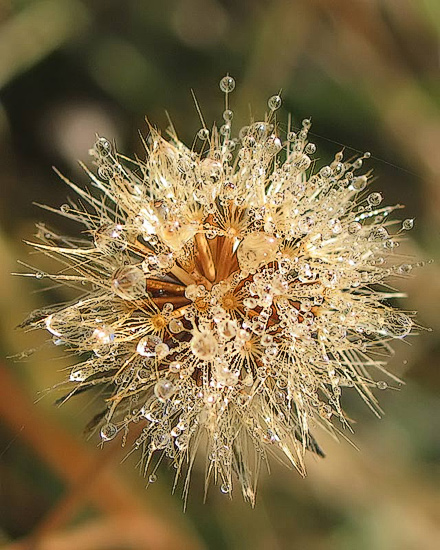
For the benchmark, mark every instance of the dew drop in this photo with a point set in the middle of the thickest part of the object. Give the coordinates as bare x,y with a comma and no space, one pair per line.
204,345
228,115
227,84
164,389
147,345
175,326
103,147
129,283
274,102
408,224
108,431
374,199
203,134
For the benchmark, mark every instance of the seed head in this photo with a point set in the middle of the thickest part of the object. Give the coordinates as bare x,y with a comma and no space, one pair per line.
228,295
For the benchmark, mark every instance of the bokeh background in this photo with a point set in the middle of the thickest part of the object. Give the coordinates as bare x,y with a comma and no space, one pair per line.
367,73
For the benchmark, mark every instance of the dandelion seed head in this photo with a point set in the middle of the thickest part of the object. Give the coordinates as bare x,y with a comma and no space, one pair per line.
233,293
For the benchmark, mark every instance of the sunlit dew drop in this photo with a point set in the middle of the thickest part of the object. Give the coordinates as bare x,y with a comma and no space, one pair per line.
256,249
108,431
225,488
103,147
310,148
227,84
110,237
382,385
274,102
147,345
228,115
161,350
175,367
203,134
175,326
164,389
359,183
129,283
408,224
374,199
399,324
105,172
152,478
204,345
103,335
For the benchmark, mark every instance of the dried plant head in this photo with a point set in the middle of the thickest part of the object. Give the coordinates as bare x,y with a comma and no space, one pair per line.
228,294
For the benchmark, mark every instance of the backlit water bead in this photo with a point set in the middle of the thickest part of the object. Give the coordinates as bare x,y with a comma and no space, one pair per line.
175,326
103,147
227,84
103,335
228,115
359,183
203,134
257,249
108,431
274,102
204,345
110,237
408,224
175,367
164,389
374,199
161,350
129,283
310,148
147,345
105,171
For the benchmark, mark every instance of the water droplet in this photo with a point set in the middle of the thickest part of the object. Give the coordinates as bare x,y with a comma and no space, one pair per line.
147,345
310,148
227,84
274,102
359,183
108,431
175,367
228,115
382,385
103,147
408,224
103,335
164,389
152,478
203,134
204,345
225,488
105,172
129,283
175,326
256,249
161,350
374,199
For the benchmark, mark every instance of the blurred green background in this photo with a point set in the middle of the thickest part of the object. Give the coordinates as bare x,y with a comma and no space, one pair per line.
367,73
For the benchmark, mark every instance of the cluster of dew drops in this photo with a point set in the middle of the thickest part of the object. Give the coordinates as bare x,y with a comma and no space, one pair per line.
291,323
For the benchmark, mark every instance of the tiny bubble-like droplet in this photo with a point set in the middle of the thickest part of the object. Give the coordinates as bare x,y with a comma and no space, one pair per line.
227,84
274,102
108,431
